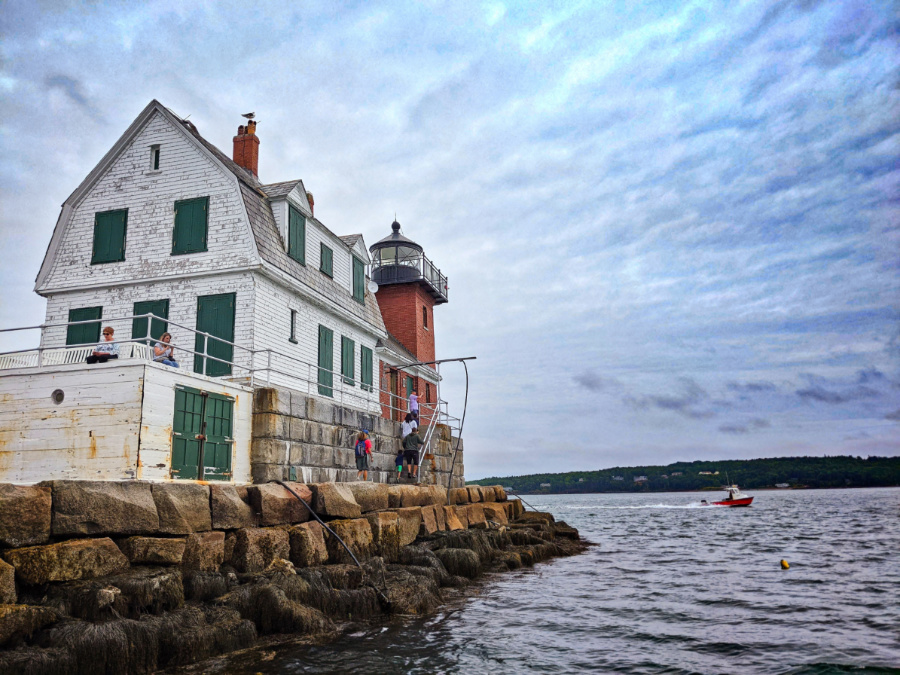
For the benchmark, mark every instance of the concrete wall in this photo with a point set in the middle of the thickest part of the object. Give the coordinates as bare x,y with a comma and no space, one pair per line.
297,437
114,423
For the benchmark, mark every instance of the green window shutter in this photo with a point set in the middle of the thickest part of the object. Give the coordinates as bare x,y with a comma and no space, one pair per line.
409,386
359,280
365,368
326,361
109,236
327,261
139,326
348,360
191,218
296,235
84,333
215,315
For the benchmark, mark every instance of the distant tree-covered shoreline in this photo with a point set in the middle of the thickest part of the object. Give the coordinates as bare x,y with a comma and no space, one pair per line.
795,472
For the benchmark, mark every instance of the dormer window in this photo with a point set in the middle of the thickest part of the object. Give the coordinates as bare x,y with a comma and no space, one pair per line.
154,158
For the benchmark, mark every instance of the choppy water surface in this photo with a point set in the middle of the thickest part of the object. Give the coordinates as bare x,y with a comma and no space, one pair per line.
671,588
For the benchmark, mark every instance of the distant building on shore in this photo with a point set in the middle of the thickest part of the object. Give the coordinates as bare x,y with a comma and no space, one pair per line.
545,486
676,473
618,478
640,479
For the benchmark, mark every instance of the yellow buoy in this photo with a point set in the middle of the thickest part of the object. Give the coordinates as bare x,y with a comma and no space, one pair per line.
784,565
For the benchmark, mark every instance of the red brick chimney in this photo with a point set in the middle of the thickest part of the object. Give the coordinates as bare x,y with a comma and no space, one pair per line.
312,204
246,148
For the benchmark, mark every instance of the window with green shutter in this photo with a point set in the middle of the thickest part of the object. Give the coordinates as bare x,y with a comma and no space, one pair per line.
326,361
189,235
326,264
365,368
359,280
140,327
348,360
84,333
409,386
109,236
296,235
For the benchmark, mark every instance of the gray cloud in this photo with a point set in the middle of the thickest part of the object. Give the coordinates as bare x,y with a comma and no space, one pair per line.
739,429
893,415
591,381
73,90
687,402
819,393
751,387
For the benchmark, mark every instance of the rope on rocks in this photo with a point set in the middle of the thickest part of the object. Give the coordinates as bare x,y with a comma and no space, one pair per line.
334,534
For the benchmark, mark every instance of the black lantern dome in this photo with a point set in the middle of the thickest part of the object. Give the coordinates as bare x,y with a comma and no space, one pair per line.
397,259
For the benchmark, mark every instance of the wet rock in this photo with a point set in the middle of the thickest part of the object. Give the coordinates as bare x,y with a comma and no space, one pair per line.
412,590
183,508
475,515
344,577
528,517
255,548
564,530
385,534
7,584
335,500
102,507
452,521
474,493
196,633
205,586
204,551
410,519
24,515
495,512
66,561
459,496
370,496
275,608
460,562
277,506
20,621
228,510
307,545
152,550
132,593
356,534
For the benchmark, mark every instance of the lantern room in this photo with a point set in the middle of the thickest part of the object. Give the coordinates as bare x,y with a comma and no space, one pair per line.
397,259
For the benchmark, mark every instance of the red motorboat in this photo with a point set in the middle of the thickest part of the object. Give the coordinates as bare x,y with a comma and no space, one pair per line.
735,498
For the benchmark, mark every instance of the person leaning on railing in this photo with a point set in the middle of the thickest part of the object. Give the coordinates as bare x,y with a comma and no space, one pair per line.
106,350
164,352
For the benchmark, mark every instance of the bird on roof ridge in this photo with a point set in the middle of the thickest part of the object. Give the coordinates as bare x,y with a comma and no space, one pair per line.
249,115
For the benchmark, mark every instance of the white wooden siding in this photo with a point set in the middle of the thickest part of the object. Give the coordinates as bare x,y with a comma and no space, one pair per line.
185,172
114,423
273,328
182,295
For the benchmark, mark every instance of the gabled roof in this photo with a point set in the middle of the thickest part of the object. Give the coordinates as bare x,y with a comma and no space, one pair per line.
268,241
283,189
350,239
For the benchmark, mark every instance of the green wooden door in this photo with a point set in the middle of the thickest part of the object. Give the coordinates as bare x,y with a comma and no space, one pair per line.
84,333
157,328
187,426
326,361
218,443
215,315
202,435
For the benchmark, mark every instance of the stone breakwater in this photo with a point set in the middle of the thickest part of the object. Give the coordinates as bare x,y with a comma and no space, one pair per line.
104,577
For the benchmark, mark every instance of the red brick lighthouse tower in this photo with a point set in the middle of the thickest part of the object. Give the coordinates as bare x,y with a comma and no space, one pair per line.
409,287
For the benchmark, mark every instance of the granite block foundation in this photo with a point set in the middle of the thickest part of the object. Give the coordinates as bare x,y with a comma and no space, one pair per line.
228,565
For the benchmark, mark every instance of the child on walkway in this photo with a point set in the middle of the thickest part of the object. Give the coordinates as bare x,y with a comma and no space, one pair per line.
363,451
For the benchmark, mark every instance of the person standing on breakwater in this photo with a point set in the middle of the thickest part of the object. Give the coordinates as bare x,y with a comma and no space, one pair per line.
411,452
363,451
106,350
407,426
164,352
414,404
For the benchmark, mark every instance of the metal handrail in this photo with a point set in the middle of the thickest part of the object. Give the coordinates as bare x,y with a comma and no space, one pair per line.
437,411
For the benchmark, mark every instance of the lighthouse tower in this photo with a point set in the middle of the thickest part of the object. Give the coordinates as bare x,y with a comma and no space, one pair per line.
409,287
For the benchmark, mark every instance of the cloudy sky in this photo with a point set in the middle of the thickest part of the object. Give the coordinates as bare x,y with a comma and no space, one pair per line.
671,229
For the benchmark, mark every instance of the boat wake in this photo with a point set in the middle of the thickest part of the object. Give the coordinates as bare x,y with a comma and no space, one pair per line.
692,505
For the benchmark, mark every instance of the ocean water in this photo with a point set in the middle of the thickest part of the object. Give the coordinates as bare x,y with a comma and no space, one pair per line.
671,587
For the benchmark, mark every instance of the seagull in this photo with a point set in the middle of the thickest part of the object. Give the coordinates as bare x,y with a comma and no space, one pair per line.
249,115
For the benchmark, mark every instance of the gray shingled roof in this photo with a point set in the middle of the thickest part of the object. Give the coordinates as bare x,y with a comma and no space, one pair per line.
270,244
396,346
350,239
275,190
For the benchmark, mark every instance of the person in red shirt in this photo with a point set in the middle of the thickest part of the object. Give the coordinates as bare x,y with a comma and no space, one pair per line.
363,453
